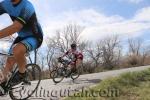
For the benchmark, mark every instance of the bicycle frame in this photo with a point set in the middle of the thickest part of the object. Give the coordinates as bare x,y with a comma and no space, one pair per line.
11,55
35,57
15,68
5,54
10,86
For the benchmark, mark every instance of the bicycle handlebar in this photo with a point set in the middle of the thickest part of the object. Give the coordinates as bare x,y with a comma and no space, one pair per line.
5,54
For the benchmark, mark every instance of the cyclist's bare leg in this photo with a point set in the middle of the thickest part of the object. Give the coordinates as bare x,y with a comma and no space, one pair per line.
75,66
19,52
78,63
9,66
71,67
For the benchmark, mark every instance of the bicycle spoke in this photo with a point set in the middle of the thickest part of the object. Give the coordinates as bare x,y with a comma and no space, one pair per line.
58,75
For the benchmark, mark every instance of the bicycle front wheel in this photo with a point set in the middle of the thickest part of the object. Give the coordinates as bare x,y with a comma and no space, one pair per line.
58,75
26,89
52,73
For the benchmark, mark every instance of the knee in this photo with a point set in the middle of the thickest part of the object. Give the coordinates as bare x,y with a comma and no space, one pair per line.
18,50
79,61
10,59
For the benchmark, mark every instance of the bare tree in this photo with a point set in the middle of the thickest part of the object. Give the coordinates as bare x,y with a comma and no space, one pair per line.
70,34
60,43
145,53
94,52
50,53
134,53
134,46
111,49
106,52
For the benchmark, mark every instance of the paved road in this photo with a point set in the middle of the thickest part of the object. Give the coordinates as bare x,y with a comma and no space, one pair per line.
49,91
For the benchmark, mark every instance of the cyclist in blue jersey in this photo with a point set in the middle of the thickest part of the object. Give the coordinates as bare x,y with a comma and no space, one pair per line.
30,35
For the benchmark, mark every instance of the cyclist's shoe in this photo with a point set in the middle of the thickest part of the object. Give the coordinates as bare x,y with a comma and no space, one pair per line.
2,89
18,78
26,82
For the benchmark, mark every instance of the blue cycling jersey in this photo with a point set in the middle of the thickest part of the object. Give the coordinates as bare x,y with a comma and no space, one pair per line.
24,13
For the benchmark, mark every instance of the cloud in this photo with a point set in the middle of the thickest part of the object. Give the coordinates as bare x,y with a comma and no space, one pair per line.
143,14
127,27
98,25
133,1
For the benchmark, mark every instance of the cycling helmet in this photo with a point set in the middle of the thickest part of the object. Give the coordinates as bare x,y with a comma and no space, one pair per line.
73,45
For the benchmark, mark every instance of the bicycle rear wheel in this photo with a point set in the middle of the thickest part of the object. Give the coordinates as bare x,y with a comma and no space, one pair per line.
26,89
58,75
75,74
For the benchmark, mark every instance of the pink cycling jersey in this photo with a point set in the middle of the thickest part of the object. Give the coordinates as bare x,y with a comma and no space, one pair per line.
74,55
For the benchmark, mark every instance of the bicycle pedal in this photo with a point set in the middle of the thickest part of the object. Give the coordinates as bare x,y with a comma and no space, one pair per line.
14,84
26,83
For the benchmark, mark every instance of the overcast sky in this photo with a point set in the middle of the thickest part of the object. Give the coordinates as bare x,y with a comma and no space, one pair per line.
100,17
130,18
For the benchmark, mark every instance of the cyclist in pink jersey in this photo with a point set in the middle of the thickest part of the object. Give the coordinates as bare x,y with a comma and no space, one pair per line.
75,56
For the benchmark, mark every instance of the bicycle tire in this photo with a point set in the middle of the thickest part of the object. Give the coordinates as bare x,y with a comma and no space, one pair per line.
52,73
56,74
75,75
11,93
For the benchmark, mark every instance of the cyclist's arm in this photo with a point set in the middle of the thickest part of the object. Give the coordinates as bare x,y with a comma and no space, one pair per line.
15,27
65,54
20,21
